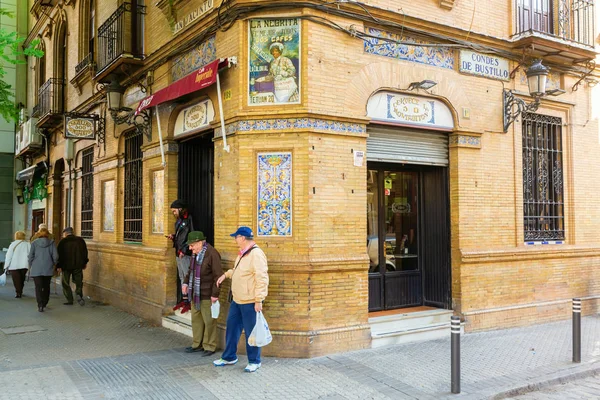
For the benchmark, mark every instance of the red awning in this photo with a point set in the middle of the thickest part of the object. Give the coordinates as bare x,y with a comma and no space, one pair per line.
199,79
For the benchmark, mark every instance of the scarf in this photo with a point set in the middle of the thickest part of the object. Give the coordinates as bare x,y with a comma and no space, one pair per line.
194,282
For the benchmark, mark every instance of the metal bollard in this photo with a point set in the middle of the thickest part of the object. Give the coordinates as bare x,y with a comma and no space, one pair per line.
576,330
455,350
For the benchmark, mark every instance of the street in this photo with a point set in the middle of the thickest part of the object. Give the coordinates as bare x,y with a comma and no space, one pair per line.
587,388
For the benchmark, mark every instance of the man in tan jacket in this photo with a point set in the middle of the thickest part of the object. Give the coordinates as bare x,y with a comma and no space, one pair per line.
249,286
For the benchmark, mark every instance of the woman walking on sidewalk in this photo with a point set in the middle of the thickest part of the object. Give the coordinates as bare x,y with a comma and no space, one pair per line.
16,261
42,258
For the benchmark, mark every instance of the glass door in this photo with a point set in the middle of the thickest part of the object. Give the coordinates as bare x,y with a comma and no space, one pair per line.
393,238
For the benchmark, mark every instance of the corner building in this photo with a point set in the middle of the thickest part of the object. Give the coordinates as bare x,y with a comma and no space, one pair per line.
374,152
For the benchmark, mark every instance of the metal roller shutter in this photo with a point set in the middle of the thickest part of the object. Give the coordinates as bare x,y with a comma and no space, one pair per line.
411,146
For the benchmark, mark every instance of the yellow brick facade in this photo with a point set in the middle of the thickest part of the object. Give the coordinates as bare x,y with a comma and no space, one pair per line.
319,289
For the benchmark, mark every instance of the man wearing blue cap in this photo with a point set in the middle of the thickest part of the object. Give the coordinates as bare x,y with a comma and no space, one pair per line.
249,287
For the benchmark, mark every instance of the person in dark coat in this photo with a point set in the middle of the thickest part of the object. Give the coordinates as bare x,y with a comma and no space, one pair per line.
183,254
201,285
73,259
42,258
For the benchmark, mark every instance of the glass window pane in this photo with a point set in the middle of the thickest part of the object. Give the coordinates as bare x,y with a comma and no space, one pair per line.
372,220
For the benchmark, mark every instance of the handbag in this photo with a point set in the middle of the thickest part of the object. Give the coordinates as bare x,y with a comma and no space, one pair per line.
230,294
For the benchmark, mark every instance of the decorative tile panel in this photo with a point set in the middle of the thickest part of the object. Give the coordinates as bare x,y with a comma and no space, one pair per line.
382,45
457,140
194,59
158,201
292,123
108,202
275,194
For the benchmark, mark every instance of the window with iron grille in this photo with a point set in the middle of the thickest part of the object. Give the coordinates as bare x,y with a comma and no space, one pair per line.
543,204
87,193
133,187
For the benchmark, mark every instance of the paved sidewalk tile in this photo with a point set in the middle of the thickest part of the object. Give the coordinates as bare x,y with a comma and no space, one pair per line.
99,352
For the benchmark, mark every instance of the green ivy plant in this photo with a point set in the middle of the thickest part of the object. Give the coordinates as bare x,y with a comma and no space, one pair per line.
12,53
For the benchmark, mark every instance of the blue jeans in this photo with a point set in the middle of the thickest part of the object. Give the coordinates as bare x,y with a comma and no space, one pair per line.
241,316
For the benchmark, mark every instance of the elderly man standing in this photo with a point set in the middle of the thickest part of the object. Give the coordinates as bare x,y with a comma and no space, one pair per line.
72,260
249,287
200,284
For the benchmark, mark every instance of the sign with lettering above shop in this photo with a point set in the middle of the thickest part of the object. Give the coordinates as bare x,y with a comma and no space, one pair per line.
80,127
194,118
194,15
402,109
488,66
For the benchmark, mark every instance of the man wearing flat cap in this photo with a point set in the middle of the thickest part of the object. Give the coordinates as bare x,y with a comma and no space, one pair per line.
183,226
249,287
72,260
200,285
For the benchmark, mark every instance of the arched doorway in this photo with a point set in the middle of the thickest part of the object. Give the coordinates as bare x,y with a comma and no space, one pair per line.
408,224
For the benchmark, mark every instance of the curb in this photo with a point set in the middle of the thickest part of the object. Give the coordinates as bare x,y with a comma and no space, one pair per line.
543,383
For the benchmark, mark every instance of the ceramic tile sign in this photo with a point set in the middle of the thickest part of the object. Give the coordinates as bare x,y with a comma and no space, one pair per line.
274,194
108,200
274,57
158,201
488,66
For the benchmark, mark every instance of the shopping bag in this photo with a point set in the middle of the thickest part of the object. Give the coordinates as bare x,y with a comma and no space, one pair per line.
261,335
3,279
215,308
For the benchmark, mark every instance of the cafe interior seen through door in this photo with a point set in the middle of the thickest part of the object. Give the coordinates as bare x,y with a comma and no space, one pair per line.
407,236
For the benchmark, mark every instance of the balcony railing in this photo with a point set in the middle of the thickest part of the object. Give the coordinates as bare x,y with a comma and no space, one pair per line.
570,20
121,35
84,63
50,97
35,111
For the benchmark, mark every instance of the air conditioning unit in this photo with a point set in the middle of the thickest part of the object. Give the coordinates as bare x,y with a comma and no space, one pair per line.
23,115
30,135
18,140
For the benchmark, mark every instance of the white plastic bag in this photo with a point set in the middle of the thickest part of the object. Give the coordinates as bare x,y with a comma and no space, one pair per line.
3,279
261,335
215,308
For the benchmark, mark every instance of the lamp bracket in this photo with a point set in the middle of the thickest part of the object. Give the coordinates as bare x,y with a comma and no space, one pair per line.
510,101
142,121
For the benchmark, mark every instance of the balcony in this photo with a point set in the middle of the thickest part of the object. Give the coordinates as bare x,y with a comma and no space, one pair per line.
559,30
51,103
120,40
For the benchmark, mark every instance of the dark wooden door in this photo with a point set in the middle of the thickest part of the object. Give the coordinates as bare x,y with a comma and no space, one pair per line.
36,220
195,184
435,236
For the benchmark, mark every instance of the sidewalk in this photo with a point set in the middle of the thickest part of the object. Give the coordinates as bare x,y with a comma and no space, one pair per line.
99,352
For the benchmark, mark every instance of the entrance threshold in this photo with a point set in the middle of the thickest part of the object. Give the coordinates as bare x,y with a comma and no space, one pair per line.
406,325
397,311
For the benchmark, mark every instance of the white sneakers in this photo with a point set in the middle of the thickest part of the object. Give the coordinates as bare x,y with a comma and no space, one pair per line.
249,368
221,363
252,367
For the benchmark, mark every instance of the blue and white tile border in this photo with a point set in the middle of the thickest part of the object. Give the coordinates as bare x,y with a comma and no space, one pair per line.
293,123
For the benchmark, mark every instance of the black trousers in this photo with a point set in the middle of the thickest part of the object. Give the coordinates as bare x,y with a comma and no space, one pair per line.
18,278
42,289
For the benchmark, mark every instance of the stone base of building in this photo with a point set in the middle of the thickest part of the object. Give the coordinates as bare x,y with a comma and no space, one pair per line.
528,314
310,344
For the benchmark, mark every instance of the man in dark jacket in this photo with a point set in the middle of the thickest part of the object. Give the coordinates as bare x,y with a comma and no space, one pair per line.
183,226
201,284
72,260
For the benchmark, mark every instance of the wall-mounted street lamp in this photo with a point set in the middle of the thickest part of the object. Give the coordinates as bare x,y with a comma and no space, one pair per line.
425,84
122,115
537,76
19,194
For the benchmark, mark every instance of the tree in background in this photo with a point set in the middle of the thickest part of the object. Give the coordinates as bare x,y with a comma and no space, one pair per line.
12,52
